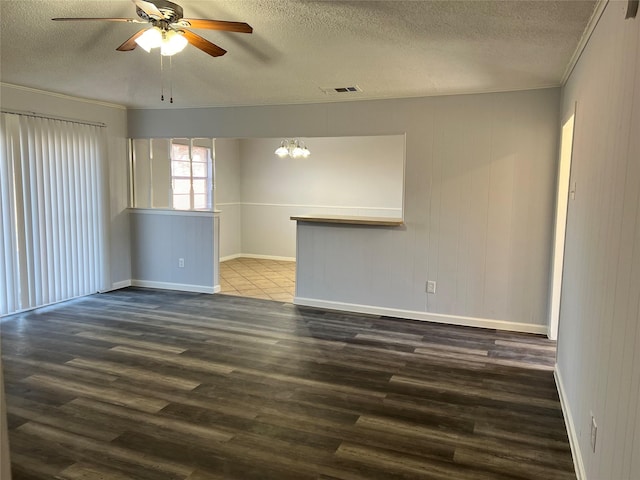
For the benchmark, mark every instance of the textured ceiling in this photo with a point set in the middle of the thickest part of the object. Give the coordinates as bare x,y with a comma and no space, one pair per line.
387,48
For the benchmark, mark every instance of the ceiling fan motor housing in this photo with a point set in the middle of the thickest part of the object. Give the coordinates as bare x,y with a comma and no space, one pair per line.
172,12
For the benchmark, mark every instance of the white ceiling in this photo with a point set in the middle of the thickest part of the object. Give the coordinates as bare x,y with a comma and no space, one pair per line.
388,48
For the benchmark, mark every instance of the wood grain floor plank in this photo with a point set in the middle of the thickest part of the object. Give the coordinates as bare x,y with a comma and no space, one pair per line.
38,463
408,465
514,463
120,340
68,422
163,423
262,464
549,454
65,370
115,370
80,471
228,408
179,361
484,393
80,444
70,387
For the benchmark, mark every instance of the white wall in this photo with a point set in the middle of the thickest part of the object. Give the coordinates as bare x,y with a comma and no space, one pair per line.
29,100
354,172
479,191
599,338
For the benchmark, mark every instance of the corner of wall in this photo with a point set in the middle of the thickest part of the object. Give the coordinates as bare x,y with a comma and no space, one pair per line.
572,433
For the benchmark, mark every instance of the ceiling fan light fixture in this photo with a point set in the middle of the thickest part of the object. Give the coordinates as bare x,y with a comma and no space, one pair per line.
172,42
151,38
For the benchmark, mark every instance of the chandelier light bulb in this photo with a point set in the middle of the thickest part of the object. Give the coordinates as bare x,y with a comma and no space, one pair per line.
282,151
297,151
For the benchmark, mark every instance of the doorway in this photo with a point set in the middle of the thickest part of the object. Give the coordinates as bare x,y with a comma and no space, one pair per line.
562,203
258,278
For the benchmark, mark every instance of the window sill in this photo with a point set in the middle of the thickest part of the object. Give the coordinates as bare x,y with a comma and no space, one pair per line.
171,211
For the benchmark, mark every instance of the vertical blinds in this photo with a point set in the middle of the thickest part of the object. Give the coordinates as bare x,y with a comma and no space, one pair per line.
52,211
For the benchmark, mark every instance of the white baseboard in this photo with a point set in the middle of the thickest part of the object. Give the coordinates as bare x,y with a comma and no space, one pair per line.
230,257
424,316
217,289
173,286
260,257
578,462
119,285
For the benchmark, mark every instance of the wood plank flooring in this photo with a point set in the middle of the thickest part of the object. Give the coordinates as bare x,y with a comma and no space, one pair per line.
147,384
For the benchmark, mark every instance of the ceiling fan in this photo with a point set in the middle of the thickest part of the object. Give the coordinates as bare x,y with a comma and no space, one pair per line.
169,30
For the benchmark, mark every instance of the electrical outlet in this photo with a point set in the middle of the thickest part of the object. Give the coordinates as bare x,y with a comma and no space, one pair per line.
431,286
181,263
594,433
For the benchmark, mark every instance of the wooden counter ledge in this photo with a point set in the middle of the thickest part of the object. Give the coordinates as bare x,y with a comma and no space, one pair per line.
351,220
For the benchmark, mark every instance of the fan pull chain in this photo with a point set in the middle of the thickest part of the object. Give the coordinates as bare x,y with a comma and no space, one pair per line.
171,79
161,79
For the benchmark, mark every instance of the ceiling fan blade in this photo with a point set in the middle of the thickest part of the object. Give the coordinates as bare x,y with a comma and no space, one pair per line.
203,44
149,8
239,27
130,44
128,20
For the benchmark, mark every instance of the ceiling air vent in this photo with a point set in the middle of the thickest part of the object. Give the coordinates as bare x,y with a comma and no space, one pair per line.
336,90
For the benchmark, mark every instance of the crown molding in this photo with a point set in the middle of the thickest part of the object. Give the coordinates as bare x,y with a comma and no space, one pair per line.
584,40
63,96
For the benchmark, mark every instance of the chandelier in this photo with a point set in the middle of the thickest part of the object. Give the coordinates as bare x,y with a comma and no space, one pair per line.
292,148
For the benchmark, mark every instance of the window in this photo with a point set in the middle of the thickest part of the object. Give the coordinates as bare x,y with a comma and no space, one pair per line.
172,173
190,177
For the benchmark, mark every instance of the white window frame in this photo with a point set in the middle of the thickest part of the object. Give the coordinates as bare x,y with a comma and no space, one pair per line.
208,153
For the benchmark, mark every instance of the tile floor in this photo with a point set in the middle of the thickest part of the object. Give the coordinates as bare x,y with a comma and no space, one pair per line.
258,278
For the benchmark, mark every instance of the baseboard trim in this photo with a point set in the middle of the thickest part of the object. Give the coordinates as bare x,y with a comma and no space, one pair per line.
119,285
230,257
183,287
217,289
423,316
576,453
259,257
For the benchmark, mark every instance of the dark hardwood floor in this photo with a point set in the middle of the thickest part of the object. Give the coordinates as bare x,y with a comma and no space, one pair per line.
147,384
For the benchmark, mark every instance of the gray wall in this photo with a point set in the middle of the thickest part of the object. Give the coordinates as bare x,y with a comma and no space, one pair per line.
115,118
159,238
228,195
599,337
479,193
